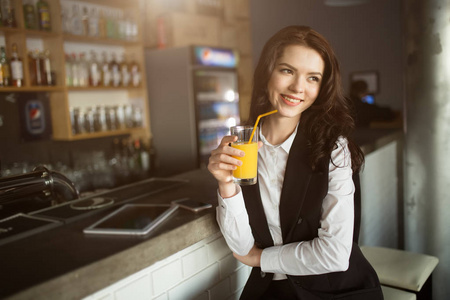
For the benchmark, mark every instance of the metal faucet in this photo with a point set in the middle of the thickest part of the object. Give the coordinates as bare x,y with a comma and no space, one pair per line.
40,182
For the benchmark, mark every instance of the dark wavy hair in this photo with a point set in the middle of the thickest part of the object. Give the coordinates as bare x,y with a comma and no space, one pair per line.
330,116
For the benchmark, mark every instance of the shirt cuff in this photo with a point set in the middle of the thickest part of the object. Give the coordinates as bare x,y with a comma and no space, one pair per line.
269,260
234,204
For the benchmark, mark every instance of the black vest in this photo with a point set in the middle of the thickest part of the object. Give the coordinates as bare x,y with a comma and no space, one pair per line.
300,209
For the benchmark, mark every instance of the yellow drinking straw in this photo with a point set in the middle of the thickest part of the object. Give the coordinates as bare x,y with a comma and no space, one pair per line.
257,121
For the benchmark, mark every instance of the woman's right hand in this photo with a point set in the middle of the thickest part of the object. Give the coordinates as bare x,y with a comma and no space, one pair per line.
222,163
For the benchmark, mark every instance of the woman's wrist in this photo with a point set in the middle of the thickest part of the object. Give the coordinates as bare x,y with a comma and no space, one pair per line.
227,189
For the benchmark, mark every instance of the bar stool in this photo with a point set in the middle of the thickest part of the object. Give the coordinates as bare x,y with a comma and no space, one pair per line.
396,294
403,270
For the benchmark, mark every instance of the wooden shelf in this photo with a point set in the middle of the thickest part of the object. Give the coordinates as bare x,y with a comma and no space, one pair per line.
11,89
101,88
94,135
60,96
98,40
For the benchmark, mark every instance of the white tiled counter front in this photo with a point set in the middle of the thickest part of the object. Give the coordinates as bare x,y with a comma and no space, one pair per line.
206,270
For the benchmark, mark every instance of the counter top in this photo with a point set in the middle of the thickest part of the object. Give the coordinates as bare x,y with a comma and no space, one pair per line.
63,262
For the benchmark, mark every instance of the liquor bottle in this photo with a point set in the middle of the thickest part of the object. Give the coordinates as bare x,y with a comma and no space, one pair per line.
34,66
102,24
29,15
106,72
7,9
93,22
5,71
94,71
135,73
75,21
47,76
43,12
124,71
68,67
75,72
83,70
115,71
145,158
85,21
16,67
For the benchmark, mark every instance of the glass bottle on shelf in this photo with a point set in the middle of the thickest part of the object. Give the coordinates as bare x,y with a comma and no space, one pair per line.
110,25
102,24
106,71
34,66
43,12
5,70
47,76
93,22
83,70
7,12
115,71
29,15
135,73
94,71
75,72
125,72
68,68
75,21
16,67
66,18
85,21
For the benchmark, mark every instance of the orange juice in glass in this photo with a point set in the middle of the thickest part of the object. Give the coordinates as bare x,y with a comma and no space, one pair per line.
246,174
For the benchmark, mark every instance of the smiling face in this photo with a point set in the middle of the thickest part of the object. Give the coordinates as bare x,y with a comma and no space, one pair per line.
295,81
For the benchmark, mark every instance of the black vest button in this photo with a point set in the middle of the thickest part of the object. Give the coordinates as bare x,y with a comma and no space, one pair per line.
263,274
299,220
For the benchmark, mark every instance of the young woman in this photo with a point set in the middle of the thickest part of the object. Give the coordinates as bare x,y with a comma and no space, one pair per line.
295,227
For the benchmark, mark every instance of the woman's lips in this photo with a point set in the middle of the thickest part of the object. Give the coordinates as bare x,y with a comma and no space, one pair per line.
290,100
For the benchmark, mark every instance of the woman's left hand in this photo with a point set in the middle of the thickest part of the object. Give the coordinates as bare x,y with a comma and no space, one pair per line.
252,259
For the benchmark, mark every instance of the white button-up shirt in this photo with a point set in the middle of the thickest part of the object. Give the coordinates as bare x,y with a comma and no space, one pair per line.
330,251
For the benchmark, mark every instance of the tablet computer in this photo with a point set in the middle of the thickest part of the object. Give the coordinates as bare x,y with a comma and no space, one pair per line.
132,219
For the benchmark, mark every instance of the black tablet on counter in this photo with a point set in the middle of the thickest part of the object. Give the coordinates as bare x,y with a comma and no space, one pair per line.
132,219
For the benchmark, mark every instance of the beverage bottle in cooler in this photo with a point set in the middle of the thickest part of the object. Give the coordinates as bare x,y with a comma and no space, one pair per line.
16,67
43,12
47,76
5,70
106,71
7,13
115,71
29,15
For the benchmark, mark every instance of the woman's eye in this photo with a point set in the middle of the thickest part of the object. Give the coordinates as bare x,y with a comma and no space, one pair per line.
314,78
287,71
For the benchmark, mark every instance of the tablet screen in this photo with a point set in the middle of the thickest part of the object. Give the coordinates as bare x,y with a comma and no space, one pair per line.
132,219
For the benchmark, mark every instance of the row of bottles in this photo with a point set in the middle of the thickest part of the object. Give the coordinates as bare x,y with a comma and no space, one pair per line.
37,16
133,155
81,72
11,69
40,68
98,21
105,118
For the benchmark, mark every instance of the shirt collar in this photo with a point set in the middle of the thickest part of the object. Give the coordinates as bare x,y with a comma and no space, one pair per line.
286,145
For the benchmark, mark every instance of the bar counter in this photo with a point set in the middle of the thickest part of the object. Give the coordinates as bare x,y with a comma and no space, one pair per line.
65,263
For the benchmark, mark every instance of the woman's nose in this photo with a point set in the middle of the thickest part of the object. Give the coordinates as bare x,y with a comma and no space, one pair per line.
297,85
